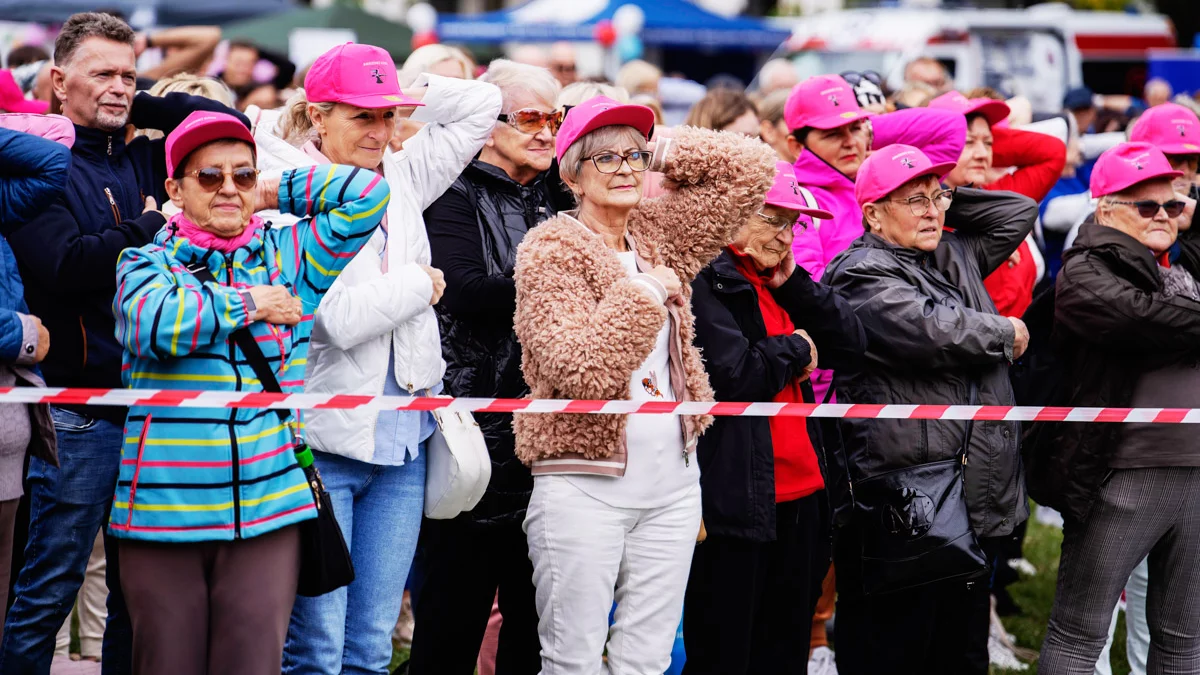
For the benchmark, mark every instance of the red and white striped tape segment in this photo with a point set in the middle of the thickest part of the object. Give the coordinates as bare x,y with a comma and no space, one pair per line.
232,399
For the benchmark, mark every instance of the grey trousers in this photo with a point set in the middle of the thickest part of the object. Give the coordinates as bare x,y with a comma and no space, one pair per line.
1138,512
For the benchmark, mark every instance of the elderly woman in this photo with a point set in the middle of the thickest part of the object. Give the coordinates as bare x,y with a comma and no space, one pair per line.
934,337
603,312
376,332
208,501
761,321
474,229
1126,325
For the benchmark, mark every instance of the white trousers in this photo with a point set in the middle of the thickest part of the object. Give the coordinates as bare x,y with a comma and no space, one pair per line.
587,554
1137,628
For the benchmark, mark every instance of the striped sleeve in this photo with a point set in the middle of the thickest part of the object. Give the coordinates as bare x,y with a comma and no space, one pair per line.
162,311
340,206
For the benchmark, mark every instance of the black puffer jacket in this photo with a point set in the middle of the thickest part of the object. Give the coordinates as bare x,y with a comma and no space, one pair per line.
736,454
932,329
474,230
1112,323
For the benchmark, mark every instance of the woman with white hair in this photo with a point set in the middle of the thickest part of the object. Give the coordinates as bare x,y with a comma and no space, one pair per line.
474,230
437,59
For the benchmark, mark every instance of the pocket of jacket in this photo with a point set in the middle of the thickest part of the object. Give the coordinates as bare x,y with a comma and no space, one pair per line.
69,420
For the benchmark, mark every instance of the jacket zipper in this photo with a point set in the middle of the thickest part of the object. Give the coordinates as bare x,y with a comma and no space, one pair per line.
137,469
233,444
112,203
83,332
110,146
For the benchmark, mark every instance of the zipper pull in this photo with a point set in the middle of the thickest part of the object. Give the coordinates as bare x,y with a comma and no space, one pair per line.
110,149
109,192
687,461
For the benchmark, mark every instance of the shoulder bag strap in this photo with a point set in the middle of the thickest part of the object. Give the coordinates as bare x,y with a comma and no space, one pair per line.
973,400
811,202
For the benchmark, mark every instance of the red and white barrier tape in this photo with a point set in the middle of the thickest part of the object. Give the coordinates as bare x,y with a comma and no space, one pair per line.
231,399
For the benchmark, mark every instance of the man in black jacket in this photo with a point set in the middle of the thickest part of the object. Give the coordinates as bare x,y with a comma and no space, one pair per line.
1127,328
67,256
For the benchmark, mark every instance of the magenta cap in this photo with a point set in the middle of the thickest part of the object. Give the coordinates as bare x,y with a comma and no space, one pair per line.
892,166
203,127
822,102
785,193
359,75
13,100
992,110
1127,165
1170,127
601,111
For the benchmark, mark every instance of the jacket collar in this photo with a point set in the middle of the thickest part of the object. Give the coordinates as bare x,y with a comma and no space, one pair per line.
727,277
1129,252
872,240
186,251
482,171
98,144
812,171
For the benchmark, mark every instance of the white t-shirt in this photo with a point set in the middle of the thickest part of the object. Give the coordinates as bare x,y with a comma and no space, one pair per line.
656,471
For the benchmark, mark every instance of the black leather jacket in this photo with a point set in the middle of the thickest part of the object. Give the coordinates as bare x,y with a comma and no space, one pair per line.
474,230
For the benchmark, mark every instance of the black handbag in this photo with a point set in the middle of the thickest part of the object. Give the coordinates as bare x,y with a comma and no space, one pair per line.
913,524
325,563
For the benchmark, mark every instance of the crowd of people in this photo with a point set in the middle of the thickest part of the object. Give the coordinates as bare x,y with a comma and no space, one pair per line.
441,228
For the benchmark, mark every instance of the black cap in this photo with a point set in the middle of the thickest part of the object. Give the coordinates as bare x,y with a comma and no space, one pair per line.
1079,98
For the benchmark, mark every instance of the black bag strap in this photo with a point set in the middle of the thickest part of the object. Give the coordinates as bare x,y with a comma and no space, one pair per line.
973,399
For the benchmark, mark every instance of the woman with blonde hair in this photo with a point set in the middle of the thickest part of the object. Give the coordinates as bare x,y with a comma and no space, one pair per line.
725,110
436,59
193,85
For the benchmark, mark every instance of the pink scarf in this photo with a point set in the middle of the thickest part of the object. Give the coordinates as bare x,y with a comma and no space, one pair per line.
205,239
310,148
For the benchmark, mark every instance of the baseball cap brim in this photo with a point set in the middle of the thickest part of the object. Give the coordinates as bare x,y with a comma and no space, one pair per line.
839,120
27,106
1123,185
1180,148
992,110
375,101
797,205
637,116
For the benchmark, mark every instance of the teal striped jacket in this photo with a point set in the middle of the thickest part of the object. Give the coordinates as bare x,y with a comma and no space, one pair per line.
204,474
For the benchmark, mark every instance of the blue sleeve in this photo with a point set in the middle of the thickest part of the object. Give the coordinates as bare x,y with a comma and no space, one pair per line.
33,174
12,335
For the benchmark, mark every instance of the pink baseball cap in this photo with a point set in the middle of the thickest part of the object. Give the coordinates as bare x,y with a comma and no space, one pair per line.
357,75
13,100
1128,164
1170,127
785,193
601,111
892,166
992,110
203,127
822,102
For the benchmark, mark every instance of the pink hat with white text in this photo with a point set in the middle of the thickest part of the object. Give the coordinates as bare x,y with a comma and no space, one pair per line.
822,102
203,127
1127,165
601,111
359,75
992,110
892,166
785,193
1169,127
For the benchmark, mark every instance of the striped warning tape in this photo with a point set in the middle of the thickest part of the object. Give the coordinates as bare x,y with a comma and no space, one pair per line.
232,399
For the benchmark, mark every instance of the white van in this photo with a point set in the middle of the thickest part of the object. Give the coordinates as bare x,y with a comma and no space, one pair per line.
1038,52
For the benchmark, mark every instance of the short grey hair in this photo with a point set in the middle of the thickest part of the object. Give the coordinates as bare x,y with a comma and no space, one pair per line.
616,136
84,25
578,92
513,78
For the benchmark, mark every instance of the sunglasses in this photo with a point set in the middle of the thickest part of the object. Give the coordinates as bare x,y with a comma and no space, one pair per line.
211,178
853,77
610,162
531,120
1149,208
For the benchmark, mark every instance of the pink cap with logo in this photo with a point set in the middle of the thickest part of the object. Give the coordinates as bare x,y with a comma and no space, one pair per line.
785,193
359,75
892,166
1170,127
203,127
992,110
822,102
1127,165
601,111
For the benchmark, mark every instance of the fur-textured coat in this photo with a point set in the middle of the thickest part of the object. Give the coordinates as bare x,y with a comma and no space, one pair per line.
585,327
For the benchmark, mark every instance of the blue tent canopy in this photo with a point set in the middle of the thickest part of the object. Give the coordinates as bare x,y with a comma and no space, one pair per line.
669,23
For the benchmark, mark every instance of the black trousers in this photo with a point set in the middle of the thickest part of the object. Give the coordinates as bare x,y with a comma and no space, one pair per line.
749,605
462,565
936,629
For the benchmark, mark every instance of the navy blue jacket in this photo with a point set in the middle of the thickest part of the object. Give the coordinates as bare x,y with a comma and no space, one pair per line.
67,254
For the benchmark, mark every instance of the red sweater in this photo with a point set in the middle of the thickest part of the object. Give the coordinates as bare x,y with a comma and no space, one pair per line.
1039,160
797,473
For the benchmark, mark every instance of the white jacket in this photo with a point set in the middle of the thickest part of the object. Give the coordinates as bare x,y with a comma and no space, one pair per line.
365,307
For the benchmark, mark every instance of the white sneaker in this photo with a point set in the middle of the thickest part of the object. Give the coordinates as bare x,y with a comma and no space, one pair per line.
822,662
1003,658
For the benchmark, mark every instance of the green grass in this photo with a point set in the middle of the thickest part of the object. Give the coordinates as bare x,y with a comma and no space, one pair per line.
1036,594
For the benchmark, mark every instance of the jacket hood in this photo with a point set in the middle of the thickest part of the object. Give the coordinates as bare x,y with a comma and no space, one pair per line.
1118,247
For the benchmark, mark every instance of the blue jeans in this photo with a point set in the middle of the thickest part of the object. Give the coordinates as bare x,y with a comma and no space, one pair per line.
379,509
68,504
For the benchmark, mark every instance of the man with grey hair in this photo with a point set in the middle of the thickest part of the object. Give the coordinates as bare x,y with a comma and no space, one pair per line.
776,75
67,256
1157,92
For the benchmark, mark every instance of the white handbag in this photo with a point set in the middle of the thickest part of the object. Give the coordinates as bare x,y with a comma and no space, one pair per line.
458,467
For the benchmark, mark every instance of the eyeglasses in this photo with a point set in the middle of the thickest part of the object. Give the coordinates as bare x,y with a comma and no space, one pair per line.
853,77
531,120
1149,208
610,162
211,178
778,222
919,205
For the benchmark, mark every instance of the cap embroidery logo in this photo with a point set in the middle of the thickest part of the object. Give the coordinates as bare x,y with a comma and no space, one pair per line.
1182,129
834,100
908,163
378,75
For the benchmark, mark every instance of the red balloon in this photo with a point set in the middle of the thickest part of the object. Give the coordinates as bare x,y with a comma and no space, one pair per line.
604,33
421,39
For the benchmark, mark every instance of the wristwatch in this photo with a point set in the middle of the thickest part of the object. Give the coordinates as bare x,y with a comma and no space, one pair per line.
251,308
